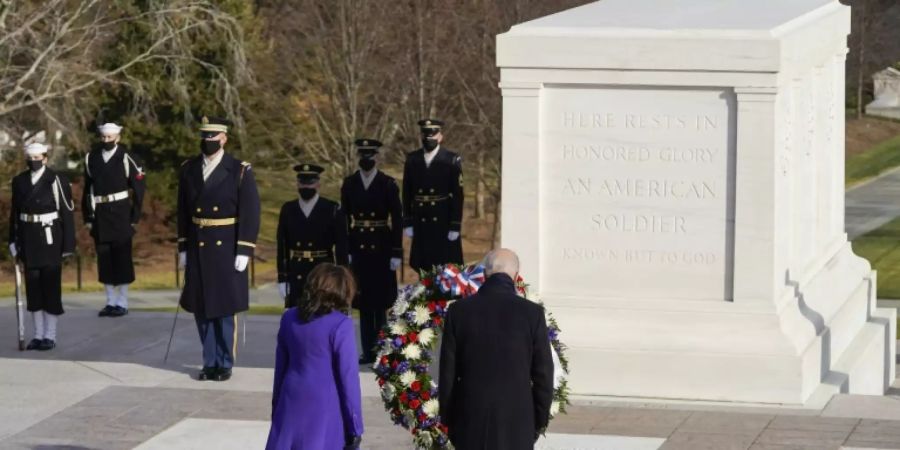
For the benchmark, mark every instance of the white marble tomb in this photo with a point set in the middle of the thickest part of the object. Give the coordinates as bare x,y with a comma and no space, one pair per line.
673,180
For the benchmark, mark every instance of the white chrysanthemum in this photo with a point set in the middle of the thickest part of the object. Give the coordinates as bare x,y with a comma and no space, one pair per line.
417,291
422,315
398,327
431,408
388,392
407,378
412,351
425,336
400,307
554,409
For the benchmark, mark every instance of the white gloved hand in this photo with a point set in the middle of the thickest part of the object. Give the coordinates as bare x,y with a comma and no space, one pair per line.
408,231
395,263
13,250
89,225
350,259
182,260
282,290
240,262
453,235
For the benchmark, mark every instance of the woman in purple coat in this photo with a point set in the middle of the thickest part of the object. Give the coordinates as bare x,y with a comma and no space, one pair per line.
316,400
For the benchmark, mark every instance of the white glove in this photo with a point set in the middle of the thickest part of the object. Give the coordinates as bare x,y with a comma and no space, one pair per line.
182,260
13,250
408,231
89,225
395,263
350,259
282,290
240,262
453,235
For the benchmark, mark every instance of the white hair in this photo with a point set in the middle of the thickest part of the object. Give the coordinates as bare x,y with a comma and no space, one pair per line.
501,261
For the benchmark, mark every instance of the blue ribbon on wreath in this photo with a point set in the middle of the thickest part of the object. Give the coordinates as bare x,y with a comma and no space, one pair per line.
459,283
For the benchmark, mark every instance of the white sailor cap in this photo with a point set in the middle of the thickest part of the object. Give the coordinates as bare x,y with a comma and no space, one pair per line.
109,129
35,149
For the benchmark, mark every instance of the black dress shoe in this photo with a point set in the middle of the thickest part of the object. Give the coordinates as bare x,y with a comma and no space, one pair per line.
208,373
34,344
106,311
118,311
223,374
47,344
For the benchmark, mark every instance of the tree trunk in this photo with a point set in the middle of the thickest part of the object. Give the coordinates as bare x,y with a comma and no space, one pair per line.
480,186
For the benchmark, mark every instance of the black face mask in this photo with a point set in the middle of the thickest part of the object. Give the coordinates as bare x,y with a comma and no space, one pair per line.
307,193
209,147
109,145
366,164
429,144
34,166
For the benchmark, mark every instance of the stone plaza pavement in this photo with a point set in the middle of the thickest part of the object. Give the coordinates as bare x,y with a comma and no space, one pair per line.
106,387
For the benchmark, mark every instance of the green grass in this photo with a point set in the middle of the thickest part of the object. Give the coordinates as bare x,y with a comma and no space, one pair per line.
873,162
882,248
255,310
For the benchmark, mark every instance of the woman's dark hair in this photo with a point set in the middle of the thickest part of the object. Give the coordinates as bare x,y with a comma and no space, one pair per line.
328,287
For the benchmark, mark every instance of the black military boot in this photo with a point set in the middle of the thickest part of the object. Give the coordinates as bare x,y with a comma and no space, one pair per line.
34,344
207,374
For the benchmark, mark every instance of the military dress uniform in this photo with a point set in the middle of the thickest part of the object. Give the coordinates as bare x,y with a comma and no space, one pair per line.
41,233
111,204
372,204
308,238
433,203
218,224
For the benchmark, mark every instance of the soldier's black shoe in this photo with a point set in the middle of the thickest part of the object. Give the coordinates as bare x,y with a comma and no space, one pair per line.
106,311
118,311
208,373
47,344
223,374
34,344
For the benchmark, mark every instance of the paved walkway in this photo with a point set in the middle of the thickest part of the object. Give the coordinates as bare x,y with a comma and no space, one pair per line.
872,204
106,387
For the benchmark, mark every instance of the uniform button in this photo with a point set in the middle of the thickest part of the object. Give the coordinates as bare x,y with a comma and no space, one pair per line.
420,191
435,219
299,277
423,219
198,210
421,204
432,203
298,244
362,247
215,208
202,244
371,229
309,245
218,242
431,190
373,214
373,246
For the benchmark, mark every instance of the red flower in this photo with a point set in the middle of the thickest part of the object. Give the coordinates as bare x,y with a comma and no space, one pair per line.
384,360
443,303
432,306
437,321
416,386
380,334
403,398
443,428
394,364
426,395
422,417
414,404
413,336
403,339
426,282
381,381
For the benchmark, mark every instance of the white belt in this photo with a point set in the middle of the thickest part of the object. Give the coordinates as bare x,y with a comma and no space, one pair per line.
111,197
39,218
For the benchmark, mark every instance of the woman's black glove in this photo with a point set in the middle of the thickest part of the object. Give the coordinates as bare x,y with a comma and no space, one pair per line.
353,442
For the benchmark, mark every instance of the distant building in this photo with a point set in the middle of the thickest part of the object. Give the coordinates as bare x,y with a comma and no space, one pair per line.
887,94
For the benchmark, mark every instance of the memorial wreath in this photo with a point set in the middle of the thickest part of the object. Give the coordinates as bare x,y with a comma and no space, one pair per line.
407,344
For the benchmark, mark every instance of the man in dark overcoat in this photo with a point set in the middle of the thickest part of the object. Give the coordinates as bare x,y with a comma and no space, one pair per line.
433,200
218,223
111,205
496,372
41,234
311,230
371,200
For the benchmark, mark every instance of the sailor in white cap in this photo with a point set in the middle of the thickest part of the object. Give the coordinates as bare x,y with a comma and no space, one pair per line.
111,204
41,234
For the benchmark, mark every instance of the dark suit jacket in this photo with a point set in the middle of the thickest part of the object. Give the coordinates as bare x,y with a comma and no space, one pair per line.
496,373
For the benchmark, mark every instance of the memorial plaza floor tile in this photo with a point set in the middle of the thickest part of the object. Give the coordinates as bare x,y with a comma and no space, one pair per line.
810,438
684,440
726,423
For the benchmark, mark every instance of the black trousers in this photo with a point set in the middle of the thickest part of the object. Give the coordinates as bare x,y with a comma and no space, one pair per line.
43,289
370,322
114,263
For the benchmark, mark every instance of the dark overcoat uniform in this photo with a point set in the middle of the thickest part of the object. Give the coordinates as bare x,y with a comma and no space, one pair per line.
496,370
304,242
111,202
376,236
433,206
30,223
217,220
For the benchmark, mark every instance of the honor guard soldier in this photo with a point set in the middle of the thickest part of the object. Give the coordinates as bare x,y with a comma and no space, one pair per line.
218,223
41,234
311,230
371,200
111,204
433,200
